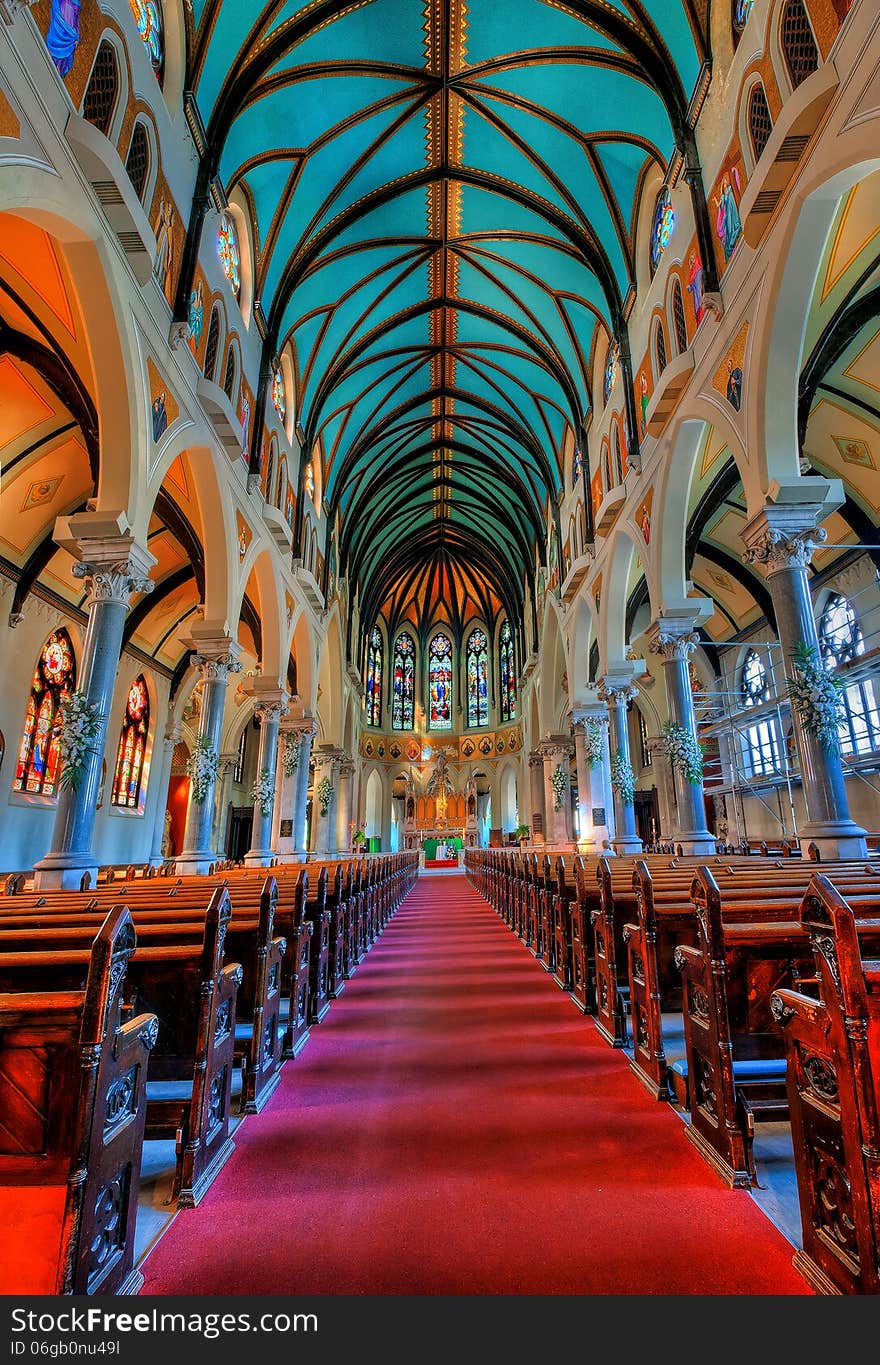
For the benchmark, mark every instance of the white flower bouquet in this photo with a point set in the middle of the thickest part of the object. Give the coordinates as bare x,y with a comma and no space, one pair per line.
684,751
289,754
324,793
595,733
559,783
622,778
817,696
202,766
263,792
80,724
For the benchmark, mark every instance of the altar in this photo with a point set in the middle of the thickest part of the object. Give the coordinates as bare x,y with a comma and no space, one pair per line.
442,850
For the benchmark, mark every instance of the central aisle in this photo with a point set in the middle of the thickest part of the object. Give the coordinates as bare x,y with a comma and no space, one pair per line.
455,1126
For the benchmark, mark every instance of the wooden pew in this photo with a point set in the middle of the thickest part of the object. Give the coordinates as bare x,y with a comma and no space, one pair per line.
735,1049
832,1048
563,899
580,920
192,992
73,1101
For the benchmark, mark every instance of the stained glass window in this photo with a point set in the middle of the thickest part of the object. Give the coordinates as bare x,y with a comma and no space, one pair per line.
148,17
244,417
740,13
310,480
610,374
507,672
373,685
403,682
841,641
577,466
440,683
227,250
278,398
662,227
132,748
54,679
478,679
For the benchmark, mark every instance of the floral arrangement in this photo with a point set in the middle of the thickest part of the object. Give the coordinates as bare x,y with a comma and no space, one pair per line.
324,793
684,751
359,837
263,792
816,696
522,832
80,723
622,778
559,783
289,754
594,731
202,766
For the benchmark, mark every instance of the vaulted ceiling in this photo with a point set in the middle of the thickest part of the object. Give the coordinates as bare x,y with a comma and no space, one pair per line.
443,197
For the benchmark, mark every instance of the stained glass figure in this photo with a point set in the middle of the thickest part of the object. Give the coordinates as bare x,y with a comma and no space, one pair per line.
310,480
403,683
662,227
373,681
279,400
132,748
148,17
478,679
54,679
741,11
577,466
228,251
507,672
440,683
610,374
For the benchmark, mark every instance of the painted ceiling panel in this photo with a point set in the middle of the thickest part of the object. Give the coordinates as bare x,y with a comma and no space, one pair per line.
444,193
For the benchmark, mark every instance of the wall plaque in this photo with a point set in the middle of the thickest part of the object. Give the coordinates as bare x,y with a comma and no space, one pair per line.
286,829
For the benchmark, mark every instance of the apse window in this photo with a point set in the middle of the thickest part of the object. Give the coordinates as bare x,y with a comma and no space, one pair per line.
440,683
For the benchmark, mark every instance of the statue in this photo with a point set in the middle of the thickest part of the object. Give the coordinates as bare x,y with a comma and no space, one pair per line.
166,835
440,787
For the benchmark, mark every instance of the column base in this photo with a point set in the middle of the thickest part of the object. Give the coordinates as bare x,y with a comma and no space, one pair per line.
195,862
833,839
627,844
65,872
259,857
695,843
296,855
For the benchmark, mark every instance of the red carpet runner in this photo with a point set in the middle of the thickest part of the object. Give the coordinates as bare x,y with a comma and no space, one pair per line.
455,1126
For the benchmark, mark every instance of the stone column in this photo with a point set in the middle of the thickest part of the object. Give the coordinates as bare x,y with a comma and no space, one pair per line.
215,660
327,762
594,786
674,639
344,805
163,781
556,753
617,692
114,567
536,791
782,539
269,709
294,789
227,767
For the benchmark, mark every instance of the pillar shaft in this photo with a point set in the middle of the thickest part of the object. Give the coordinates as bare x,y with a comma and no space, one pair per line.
269,713
171,739
327,763
781,542
674,640
536,792
198,851
557,825
114,569
594,788
617,694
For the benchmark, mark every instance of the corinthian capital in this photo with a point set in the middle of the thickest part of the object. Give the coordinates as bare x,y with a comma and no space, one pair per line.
774,550
217,667
670,645
616,693
113,582
268,711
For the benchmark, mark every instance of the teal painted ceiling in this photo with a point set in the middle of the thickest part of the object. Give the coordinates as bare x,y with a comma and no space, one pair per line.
443,198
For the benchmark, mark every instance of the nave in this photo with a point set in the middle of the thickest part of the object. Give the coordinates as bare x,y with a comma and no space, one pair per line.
456,1127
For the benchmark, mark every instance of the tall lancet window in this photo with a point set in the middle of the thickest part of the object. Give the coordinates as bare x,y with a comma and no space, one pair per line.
373,681
478,679
440,683
54,679
507,672
132,748
403,679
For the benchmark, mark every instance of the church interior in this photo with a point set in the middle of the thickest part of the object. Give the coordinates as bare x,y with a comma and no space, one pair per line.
439,698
